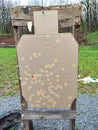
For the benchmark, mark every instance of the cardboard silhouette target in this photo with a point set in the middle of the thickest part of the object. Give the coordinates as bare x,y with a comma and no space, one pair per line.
48,64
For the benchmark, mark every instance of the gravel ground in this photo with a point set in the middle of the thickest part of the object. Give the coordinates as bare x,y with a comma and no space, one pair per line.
87,117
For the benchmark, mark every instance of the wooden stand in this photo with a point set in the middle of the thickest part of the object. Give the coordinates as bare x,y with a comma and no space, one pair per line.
29,115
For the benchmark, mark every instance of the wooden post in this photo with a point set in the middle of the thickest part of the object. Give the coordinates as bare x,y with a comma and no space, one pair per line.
17,33
72,121
24,106
73,30
76,32
26,124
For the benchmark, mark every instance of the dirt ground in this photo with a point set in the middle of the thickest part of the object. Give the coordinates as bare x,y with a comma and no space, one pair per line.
7,41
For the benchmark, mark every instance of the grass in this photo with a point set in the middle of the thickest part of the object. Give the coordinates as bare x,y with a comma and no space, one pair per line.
88,66
4,34
92,38
8,72
88,61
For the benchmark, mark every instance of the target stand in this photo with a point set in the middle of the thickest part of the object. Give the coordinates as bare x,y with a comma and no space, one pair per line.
47,64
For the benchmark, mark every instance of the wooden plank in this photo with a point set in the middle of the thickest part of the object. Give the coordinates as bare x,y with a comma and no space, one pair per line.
70,22
65,12
18,12
63,24
67,15
49,115
69,12
20,22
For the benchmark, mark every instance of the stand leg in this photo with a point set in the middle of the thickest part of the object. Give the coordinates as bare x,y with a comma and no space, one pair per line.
72,121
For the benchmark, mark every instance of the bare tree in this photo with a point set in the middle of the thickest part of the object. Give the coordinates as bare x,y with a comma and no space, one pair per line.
90,8
5,22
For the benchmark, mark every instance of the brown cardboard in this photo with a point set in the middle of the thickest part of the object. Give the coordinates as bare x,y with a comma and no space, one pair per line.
48,67
46,22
